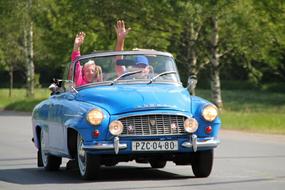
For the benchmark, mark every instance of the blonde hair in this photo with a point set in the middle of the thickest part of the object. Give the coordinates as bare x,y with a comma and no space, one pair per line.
90,62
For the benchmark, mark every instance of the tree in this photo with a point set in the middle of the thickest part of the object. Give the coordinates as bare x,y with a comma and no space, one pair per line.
29,49
10,46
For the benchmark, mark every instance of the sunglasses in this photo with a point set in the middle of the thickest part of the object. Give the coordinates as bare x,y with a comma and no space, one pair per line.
141,65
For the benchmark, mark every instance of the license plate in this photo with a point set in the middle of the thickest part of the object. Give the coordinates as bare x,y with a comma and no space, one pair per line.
154,145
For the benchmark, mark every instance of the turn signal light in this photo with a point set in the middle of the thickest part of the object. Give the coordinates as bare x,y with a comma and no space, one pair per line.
208,130
96,133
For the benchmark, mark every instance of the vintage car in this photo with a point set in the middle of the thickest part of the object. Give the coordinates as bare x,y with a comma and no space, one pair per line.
137,114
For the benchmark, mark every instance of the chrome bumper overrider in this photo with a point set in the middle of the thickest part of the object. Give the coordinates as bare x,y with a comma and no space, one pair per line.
116,146
193,143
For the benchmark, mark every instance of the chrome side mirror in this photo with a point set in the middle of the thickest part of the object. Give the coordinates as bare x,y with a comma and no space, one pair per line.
55,86
69,86
192,82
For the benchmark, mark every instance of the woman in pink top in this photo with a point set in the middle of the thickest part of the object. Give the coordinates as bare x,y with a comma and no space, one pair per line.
91,72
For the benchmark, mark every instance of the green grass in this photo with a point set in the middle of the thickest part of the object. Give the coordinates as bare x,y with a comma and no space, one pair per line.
253,111
263,122
19,102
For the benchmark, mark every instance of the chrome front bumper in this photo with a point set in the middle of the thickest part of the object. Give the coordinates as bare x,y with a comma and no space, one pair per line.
194,143
116,146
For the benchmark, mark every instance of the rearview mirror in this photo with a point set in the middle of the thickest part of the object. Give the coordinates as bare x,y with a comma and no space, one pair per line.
192,82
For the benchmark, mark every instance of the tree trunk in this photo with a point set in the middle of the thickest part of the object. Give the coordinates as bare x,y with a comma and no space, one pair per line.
11,69
27,61
191,53
29,52
216,87
215,66
31,61
193,67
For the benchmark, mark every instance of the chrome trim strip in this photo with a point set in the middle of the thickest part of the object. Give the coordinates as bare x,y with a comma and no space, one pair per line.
159,135
104,146
116,53
126,82
156,113
70,115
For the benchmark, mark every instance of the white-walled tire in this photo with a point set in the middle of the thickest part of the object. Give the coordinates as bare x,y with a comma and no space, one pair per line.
88,164
49,162
202,163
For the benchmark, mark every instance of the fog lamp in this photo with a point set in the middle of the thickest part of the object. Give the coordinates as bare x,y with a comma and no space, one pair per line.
116,128
190,125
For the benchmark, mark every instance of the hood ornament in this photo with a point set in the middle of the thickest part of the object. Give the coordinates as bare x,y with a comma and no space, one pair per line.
152,122
173,126
131,129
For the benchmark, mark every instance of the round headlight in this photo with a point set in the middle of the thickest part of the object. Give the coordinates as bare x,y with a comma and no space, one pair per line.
116,128
95,117
210,112
190,125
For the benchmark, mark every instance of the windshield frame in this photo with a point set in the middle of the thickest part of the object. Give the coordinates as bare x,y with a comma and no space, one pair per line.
122,53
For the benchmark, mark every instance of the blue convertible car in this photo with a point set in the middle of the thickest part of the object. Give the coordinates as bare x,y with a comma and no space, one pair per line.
142,114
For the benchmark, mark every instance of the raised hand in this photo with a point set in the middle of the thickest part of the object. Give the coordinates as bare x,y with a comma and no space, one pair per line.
78,41
121,30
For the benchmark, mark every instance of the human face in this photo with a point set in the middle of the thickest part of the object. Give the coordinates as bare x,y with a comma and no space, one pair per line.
141,65
89,72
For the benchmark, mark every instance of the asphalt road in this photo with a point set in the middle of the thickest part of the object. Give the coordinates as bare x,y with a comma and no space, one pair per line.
242,161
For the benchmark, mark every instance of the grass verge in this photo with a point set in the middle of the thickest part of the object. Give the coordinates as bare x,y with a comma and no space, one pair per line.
18,100
253,111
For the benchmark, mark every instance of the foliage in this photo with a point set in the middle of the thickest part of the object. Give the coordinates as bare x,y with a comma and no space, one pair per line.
19,102
251,34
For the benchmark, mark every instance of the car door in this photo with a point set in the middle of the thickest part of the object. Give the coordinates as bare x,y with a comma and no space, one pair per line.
69,109
55,129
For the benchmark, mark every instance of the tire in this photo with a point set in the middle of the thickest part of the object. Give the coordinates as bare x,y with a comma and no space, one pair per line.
88,164
39,158
202,163
49,162
157,163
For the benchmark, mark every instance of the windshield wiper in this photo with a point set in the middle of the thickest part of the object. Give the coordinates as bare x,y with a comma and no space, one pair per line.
161,74
125,74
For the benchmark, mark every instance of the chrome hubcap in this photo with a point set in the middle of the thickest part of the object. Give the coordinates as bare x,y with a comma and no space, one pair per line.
81,155
43,146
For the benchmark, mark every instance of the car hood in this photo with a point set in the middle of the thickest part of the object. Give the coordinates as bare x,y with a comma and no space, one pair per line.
117,99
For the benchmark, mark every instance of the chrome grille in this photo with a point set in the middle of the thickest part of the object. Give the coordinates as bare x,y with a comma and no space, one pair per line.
153,125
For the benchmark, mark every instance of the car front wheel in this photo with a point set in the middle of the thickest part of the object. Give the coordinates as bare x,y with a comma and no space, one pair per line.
50,162
88,164
202,163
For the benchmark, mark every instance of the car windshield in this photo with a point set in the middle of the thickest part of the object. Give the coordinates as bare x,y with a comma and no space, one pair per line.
124,68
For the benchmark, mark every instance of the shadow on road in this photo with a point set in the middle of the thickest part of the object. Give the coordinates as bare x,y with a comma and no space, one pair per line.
37,176
29,176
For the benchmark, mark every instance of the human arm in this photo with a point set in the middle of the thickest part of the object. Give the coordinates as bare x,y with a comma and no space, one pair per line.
121,33
78,41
